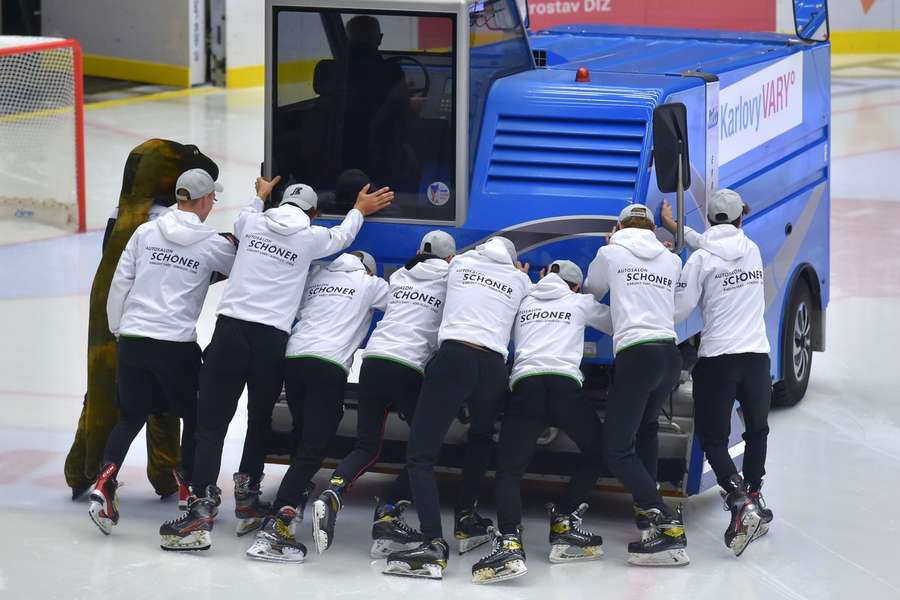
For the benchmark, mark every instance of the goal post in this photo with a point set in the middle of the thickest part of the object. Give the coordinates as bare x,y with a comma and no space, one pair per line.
42,131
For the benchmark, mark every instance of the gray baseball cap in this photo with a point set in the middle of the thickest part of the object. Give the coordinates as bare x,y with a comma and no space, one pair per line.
510,247
368,261
300,194
724,206
636,211
568,271
439,243
197,183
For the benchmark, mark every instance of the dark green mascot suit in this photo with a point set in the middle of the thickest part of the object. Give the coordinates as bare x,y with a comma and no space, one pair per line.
150,174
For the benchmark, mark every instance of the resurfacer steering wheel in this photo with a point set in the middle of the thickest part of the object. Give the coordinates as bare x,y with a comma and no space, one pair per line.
426,87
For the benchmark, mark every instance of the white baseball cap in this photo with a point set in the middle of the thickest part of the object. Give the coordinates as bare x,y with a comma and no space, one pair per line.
510,247
725,206
568,271
300,194
636,211
367,260
197,183
439,243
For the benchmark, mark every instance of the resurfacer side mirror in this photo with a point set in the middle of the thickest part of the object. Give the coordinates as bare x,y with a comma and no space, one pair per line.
811,20
672,158
670,147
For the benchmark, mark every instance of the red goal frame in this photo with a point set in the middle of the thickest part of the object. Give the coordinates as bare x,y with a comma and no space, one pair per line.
78,77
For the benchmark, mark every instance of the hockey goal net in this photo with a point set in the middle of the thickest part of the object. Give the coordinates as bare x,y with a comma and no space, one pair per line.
41,131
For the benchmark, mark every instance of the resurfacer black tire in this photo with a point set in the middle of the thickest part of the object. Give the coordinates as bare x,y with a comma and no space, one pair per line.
796,347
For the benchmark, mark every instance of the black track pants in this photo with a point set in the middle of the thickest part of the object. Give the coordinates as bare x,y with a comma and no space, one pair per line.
537,402
239,353
718,382
457,374
383,384
154,377
644,377
315,395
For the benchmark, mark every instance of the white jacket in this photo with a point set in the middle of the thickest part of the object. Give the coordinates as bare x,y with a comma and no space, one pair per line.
640,275
549,330
408,331
274,253
336,312
725,275
163,275
484,291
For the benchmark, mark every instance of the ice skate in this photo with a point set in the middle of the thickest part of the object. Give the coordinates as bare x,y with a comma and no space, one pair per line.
248,509
568,541
276,541
325,510
471,529
390,533
664,547
745,516
428,560
765,513
184,489
104,507
507,561
192,530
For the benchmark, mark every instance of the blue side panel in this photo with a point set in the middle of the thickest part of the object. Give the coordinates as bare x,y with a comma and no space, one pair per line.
785,183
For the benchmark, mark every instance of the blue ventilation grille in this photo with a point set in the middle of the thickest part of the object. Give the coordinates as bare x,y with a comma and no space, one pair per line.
566,156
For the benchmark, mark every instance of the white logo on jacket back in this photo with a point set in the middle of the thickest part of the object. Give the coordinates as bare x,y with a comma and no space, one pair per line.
542,315
167,257
644,276
321,290
738,278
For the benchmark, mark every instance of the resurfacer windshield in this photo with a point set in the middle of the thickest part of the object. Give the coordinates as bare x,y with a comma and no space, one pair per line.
367,92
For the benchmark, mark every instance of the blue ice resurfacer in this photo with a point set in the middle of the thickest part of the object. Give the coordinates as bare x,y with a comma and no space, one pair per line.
483,127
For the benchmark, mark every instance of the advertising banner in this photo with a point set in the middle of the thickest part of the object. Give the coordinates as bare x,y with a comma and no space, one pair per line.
758,15
760,107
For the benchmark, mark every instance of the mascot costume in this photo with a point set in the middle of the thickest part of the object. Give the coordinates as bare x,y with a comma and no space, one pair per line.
150,174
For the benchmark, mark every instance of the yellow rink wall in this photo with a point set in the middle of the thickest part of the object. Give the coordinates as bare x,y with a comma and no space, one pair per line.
866,42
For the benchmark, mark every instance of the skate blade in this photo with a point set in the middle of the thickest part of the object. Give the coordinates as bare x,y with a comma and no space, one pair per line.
320,538
750,525
265,551
510,570
194,541
668,558
564,554
401,569
384,548
470,543
103,523
245,526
